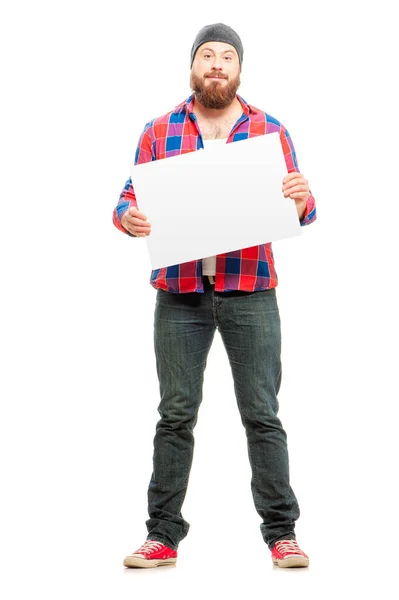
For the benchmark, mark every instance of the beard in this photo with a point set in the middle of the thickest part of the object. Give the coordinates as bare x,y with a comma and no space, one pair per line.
214,94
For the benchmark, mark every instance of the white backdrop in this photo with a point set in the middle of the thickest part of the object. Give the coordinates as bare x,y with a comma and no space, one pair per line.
79,390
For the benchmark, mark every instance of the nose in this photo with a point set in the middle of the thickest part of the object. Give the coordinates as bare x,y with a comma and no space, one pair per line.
217,63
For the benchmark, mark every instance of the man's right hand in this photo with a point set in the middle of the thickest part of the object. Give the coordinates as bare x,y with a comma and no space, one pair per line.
136,222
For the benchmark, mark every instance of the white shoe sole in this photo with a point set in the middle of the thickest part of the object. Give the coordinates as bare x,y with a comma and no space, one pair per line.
292,561
137,561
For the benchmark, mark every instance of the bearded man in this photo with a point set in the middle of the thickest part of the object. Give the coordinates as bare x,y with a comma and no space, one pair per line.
235,293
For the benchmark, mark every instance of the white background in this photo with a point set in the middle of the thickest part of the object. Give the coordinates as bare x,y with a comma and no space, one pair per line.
79,390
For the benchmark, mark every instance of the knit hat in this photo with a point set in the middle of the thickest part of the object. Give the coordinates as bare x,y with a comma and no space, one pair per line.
218,32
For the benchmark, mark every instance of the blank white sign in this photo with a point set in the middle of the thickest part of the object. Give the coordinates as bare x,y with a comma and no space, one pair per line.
215,200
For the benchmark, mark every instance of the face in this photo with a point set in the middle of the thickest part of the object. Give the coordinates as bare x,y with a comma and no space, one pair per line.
215,74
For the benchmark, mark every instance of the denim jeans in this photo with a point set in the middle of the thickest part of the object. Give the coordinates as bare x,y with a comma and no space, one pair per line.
184,327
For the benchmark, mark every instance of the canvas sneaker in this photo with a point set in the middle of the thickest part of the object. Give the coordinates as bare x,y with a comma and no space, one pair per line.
287,553
151,554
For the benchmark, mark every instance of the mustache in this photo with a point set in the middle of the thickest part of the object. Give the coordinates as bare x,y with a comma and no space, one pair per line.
215,75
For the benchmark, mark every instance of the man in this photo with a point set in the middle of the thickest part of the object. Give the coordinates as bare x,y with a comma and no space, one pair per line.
234,292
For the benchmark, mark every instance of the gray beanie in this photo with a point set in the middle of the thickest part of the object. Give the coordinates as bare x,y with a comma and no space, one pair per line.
217,33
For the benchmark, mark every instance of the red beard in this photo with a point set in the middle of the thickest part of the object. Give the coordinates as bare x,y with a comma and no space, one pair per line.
214,94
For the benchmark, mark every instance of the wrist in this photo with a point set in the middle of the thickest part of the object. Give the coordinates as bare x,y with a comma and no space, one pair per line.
301,208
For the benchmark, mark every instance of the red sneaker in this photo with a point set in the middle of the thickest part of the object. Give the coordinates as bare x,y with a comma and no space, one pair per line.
151,554
287,553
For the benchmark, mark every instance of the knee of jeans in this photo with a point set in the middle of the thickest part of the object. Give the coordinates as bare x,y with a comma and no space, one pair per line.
177,419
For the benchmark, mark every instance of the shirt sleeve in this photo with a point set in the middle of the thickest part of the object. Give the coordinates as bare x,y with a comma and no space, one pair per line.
292,165
127,198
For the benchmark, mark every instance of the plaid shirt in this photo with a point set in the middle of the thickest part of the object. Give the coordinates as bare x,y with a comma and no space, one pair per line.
177,132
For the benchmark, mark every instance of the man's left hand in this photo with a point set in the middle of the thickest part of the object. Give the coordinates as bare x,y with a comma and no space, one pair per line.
296,187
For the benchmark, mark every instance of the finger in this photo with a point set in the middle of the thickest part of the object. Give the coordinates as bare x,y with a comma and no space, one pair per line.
130,229
139,220
298,188
295,181
290,194
299,196
296,184
291,176
142,229
134,212
289,186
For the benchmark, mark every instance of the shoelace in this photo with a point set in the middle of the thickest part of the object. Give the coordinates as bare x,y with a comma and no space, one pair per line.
149,546
288,546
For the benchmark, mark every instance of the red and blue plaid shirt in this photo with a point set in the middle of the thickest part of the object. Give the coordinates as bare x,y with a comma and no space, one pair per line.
177,132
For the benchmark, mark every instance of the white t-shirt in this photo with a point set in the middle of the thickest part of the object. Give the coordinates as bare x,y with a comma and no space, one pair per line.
209,263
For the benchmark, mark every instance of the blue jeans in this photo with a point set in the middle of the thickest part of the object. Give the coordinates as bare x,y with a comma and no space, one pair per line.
184,327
